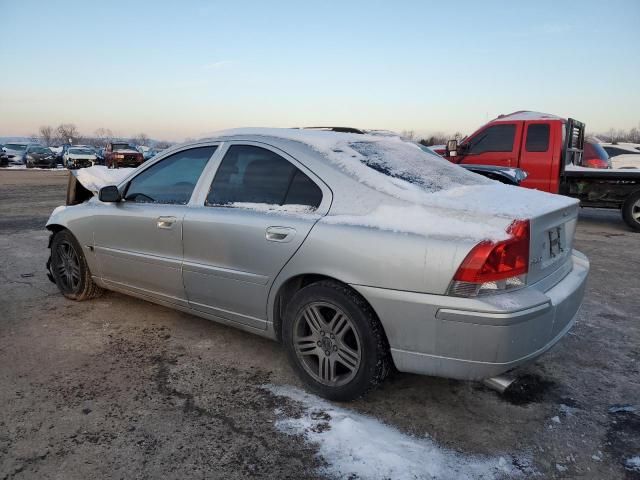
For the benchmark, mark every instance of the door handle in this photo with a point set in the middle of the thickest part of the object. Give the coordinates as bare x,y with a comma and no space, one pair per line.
166,222
280,234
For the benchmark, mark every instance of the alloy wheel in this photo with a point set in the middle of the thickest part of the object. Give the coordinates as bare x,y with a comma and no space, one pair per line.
67,266
327,344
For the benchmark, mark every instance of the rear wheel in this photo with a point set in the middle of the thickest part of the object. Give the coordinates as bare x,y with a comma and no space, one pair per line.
69,268
335,341
631,211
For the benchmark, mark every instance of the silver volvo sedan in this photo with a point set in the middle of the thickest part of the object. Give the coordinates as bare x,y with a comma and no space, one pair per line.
355,251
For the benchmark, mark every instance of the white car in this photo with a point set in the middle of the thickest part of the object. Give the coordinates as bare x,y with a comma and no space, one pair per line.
623,155
79,157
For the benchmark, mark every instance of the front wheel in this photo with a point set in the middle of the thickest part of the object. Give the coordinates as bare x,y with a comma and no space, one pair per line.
69,268
631,211
335,342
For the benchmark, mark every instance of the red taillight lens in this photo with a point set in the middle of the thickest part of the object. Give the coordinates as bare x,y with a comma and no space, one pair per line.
489,262
595,163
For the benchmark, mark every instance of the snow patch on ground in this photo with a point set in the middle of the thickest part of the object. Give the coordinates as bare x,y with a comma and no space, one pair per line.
98,176
358,446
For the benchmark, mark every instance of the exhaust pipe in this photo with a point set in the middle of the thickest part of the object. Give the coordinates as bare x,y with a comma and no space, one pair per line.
499,383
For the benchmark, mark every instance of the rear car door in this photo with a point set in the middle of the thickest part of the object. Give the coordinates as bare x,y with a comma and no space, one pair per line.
497,144
537,157
261,206
138,241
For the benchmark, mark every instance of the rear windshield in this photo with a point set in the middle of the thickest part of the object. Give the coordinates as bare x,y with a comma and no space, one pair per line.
39,150
122,146
16,146
595,150
408,162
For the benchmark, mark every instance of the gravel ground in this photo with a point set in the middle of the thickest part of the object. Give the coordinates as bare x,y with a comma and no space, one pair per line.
122,388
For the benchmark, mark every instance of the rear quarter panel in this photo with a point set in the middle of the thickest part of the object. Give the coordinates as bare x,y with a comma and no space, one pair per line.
360,255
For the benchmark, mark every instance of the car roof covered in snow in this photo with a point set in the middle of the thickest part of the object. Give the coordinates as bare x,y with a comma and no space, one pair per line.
523,115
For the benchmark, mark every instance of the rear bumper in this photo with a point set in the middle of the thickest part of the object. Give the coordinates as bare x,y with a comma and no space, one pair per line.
478,338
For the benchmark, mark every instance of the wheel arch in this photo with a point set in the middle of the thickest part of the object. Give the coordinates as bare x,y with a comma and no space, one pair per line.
288,288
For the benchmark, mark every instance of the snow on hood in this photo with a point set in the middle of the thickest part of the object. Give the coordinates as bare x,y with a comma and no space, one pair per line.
98,176
126,150
357,446
415,191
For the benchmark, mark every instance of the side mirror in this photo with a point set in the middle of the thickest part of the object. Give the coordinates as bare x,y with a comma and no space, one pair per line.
110,193
452,148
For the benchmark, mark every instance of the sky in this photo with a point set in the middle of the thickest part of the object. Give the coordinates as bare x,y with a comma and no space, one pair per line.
179,69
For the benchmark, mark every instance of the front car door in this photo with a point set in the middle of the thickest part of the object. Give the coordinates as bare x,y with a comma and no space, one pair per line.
138,241
498,144
261,206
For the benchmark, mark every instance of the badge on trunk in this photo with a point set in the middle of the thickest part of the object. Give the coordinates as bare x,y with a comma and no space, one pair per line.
555,245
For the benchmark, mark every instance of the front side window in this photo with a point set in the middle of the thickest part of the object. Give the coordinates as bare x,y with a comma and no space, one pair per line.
537,137
251,174
172,180
497,138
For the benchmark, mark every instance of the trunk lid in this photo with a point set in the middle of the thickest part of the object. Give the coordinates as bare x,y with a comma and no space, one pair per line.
551,242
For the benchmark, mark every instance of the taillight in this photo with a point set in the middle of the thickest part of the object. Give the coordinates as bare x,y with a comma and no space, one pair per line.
595,163
492,267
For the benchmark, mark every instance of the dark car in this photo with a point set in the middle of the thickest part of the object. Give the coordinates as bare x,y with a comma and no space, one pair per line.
39,156
4,161
121,154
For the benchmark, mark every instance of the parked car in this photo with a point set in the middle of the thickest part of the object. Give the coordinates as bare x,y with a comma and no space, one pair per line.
551,150
79,157
594,156
39,156
4,161
623,155
15,152
355,251
121,154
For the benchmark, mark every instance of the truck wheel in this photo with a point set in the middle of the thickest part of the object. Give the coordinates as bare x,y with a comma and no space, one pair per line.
69,268
631,211
335,342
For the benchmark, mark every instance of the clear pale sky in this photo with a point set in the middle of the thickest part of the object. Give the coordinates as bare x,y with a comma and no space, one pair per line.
183,68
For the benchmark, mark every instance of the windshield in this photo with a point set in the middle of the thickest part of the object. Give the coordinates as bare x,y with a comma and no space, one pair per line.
39,150
122,146
81,151
16,146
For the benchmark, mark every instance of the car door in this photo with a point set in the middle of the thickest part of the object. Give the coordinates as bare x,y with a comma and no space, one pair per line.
498,144
138,241
540,155
259,209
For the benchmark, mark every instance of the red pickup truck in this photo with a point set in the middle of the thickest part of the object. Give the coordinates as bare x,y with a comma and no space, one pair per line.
550,150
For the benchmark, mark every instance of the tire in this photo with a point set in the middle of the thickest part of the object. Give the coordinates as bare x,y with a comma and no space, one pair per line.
631,211
70,270
335,341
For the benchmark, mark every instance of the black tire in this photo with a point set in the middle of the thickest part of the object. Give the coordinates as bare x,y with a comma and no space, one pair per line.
374,361
65,251
630,208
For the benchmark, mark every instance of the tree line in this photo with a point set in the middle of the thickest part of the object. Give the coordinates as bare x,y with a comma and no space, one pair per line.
69,133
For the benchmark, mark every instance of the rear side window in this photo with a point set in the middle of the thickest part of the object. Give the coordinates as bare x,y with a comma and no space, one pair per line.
497,138
537,137
172,180
251,174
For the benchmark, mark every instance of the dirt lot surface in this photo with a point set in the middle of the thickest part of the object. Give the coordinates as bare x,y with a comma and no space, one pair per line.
121,388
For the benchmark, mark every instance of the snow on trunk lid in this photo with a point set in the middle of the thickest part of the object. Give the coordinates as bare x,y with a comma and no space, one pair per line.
551,242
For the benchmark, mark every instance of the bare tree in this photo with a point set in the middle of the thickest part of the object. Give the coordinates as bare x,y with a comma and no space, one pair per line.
46,134
67,132
141,139
408,134
103,135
